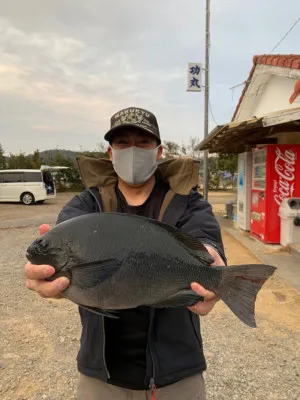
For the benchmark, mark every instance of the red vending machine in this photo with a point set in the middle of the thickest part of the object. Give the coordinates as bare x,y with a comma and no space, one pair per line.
274,172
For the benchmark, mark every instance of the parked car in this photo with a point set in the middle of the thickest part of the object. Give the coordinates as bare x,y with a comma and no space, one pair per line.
28,186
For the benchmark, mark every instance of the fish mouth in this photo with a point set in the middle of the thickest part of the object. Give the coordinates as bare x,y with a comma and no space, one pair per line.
38,255
38,248
32,251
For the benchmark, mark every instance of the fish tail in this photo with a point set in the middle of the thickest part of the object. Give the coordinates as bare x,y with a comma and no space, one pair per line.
239,287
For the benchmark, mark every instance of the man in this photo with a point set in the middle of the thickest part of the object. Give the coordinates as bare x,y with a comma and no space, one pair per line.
146,351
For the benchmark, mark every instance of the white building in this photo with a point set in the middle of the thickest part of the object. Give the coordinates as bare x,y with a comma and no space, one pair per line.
268,112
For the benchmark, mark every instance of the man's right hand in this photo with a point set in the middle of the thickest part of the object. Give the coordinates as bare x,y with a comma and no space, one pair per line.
36,277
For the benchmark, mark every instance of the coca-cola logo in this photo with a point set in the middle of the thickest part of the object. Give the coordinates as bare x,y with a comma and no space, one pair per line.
285,169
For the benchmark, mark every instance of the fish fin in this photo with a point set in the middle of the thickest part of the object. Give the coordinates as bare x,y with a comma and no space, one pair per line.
186,298
90,274
239,287
59,274
189,241
99,311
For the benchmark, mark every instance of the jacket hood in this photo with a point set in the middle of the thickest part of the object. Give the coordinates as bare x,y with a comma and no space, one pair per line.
181,174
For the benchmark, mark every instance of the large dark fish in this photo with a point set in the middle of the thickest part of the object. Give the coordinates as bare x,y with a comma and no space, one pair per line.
119,261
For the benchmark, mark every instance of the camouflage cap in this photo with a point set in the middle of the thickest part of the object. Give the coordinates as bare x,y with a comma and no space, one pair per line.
133,117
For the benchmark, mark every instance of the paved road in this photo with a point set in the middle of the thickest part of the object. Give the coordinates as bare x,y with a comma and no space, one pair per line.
13,215
221,199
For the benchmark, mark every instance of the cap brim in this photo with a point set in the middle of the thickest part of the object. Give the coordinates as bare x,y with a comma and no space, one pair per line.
109,134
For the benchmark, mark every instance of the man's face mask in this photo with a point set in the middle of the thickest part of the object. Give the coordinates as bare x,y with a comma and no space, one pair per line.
135,165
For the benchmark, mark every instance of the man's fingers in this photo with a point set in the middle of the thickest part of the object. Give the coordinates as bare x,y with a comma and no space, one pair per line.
44,228
48,289
208,295
38,271
210,299
218,261
36,276
203,308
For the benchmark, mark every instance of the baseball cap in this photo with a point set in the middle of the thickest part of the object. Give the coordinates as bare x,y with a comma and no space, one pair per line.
133,117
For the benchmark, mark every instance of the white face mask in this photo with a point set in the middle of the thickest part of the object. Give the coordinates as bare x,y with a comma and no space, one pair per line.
135,165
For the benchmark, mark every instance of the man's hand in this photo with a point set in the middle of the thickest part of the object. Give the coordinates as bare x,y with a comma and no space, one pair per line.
218,260
36,277
210,299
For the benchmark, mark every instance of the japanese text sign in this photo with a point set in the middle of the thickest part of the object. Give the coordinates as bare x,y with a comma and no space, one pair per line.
194,77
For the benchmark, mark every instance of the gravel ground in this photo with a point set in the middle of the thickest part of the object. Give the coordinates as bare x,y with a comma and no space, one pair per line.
47,210
39,338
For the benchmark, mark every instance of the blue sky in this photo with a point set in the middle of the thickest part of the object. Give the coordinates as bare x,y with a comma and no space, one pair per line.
67,65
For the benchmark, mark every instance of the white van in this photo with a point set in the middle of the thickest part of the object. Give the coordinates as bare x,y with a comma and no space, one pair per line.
28,186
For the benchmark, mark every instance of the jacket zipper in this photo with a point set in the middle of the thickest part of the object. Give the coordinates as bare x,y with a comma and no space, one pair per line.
103,323
98,204
103,349
152,385
152,382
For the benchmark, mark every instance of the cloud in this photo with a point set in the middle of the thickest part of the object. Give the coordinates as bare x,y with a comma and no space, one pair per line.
67,65
45,128
54,70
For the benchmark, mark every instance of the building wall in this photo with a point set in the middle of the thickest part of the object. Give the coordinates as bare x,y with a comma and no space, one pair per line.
289,138
276,96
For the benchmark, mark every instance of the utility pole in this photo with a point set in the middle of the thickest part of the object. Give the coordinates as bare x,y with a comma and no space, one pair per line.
207,49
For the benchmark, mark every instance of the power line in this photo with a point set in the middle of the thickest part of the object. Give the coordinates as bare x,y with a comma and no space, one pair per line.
292,27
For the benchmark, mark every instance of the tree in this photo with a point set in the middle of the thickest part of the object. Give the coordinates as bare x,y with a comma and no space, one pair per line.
21,161
184,150
99,152
70,175
193,148
3,164
36,160
171,149
17,161
213,173
229,163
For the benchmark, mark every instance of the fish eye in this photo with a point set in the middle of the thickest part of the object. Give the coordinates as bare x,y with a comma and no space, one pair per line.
41,243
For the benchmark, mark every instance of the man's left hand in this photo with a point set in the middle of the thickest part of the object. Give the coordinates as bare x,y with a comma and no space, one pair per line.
210,299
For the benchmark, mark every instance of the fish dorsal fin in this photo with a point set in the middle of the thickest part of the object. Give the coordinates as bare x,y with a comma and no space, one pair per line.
189,241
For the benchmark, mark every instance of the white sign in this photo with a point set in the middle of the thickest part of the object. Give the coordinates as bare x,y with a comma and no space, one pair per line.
194,81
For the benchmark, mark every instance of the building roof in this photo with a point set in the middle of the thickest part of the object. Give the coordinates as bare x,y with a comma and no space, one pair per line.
5,171
291,61
235,136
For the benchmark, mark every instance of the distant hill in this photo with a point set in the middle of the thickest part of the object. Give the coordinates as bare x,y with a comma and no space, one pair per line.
47,155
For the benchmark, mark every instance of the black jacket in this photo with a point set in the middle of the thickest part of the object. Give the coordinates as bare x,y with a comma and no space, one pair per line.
175,348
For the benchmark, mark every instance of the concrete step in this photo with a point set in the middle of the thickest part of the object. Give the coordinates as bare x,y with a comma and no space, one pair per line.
295,249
